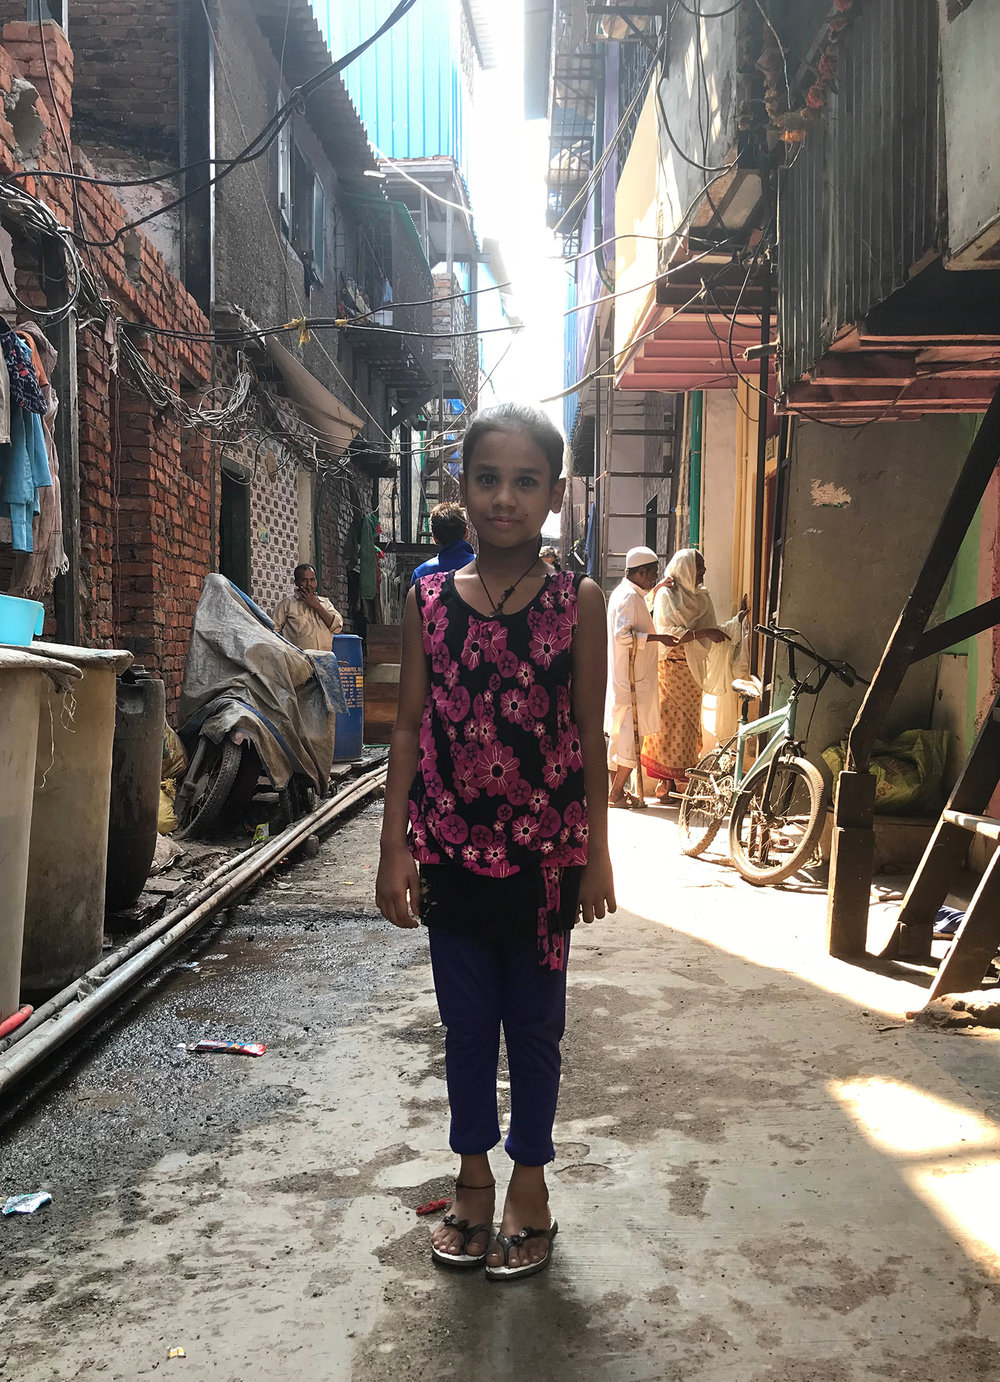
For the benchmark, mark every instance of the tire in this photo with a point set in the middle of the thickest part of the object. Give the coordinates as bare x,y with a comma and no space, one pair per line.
222,775
706,802
768,846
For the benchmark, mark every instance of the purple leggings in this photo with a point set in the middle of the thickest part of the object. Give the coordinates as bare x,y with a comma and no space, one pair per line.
483,983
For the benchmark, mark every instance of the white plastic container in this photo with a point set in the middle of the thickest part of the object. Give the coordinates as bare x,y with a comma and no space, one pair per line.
67,857
24,684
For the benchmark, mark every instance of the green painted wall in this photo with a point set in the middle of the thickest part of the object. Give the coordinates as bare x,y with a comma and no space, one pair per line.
964,593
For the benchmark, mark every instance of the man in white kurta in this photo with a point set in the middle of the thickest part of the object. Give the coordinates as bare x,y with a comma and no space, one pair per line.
629,620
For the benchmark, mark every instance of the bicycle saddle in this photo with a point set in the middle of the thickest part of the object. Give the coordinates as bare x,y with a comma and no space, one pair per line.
752,688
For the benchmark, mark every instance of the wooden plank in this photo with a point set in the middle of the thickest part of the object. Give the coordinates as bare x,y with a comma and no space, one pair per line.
976,940
866,367
948,846
987,826
851,863
384,642
845,914
963,626
942,860
945,354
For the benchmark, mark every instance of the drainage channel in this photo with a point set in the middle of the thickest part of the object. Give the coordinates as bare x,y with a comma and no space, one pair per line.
69,1011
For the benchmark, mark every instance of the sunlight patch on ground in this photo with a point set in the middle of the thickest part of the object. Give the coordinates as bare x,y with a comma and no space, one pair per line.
905,1121
949,1155
783,929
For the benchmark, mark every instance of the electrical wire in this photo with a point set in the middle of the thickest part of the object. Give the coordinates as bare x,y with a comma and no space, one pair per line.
719,14
435,196
599,372
279,241
703,166
430,302
669,272
254,150
599,168
624,235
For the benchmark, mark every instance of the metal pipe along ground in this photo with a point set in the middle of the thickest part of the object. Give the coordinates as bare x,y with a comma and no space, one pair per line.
60,1018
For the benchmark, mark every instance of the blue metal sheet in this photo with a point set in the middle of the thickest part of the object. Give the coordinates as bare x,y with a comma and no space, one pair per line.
408,88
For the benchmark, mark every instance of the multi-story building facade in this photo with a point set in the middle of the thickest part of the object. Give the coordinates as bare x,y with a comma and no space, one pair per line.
267,425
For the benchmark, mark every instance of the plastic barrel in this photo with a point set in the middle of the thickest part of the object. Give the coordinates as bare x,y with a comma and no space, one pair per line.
349,740
135,786
24,684
67,857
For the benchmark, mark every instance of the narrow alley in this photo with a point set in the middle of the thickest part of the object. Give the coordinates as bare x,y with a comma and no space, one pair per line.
472,461
762,1172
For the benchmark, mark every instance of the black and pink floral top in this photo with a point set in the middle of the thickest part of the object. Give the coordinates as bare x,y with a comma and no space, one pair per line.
499,786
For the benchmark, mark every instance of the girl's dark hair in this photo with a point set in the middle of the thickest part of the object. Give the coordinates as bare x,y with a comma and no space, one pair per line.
507,417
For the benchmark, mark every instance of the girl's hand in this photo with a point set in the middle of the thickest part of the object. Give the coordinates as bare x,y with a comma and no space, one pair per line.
597,889
397,887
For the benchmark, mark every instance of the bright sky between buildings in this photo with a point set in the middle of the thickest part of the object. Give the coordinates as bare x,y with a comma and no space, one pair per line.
507,176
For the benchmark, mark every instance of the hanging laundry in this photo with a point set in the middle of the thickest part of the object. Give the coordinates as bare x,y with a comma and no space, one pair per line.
24,469
35,571
24,387
36,359
368,556
4,406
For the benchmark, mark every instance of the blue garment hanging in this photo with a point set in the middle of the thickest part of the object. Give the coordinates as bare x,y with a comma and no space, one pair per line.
24,469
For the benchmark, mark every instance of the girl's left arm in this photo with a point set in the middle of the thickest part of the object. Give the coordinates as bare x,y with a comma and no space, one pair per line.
590,677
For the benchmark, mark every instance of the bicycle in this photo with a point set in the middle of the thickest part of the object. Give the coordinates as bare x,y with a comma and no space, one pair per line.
774,809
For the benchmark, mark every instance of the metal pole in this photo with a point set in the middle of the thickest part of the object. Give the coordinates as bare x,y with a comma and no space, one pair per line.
695,483
757,554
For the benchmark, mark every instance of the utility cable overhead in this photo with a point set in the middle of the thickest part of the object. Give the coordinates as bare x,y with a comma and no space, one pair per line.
269,213
434,196
254,149
599,372
668,272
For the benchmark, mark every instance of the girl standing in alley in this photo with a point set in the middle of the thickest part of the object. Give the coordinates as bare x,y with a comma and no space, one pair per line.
495,826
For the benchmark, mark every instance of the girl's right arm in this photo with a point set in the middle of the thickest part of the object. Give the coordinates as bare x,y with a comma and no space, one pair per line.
397,887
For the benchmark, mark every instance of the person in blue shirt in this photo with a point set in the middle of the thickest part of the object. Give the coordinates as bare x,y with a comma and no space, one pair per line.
450,531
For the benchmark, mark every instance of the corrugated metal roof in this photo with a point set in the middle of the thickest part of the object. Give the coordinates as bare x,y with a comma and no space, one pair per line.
481,15
330,109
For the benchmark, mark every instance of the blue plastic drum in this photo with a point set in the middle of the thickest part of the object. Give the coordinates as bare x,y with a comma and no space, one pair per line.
348,740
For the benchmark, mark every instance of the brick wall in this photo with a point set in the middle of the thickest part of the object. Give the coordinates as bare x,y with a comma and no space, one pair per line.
343,500
146,521
126,69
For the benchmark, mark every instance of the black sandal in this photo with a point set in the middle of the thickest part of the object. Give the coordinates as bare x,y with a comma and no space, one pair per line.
464,1259
517,1240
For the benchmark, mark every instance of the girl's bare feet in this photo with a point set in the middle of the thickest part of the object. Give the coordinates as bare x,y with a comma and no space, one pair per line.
526,1206
475,1193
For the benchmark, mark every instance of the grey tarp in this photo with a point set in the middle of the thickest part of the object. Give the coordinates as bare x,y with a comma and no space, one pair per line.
241,675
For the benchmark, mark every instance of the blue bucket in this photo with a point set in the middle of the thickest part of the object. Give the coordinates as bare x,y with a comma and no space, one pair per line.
349,739
20,620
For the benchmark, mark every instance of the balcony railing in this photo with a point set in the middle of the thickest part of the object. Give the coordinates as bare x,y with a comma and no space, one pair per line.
456,349
387,282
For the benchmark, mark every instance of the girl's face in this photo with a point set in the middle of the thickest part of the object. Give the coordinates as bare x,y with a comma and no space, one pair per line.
507,488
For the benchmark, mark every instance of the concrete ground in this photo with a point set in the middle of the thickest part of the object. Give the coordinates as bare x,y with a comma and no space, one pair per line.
763,1172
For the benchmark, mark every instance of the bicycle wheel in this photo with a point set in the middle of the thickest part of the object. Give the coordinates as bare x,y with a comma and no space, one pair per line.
772,835
706,801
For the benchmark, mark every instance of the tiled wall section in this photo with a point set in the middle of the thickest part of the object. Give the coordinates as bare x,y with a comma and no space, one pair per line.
274,528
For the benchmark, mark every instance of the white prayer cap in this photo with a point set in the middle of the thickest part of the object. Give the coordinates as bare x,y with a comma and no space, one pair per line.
640,556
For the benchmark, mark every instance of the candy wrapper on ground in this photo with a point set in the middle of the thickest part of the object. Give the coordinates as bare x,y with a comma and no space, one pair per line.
232,1048
27,1204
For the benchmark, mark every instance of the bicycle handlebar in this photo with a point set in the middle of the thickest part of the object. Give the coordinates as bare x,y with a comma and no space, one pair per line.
843,671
